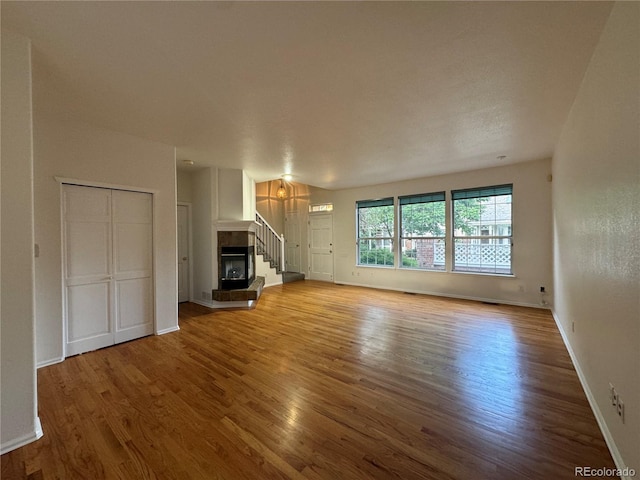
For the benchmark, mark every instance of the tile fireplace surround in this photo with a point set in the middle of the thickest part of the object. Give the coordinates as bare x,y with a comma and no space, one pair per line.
230,241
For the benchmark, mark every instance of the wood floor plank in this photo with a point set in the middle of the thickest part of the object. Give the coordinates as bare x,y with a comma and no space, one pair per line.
321,381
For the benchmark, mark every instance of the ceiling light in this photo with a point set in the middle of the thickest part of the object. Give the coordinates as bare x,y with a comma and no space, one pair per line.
281,193
287,177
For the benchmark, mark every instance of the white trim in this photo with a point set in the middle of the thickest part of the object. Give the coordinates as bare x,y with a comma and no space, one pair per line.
449,295
51,361
608,438
23,440
236,225
167,330
111,186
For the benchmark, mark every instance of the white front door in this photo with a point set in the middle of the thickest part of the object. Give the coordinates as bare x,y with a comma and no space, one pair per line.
292,242
108,274
183,253
321,247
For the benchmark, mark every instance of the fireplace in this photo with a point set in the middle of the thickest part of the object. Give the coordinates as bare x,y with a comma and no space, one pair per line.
236,267
236,259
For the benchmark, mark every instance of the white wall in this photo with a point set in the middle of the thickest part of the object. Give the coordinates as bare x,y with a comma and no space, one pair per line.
269,206
76,150
248,197
183,185
596,205
230,194
205,266
531,255
18,399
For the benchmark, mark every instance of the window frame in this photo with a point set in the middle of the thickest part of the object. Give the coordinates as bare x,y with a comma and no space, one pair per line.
381,202
422,198
475,193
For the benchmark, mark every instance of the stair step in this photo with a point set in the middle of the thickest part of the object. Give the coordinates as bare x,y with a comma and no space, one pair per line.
288,277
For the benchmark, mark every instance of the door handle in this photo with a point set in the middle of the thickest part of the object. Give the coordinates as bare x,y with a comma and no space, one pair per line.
184,259
110,277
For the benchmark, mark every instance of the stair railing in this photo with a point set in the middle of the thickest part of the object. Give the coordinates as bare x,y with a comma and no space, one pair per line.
269,244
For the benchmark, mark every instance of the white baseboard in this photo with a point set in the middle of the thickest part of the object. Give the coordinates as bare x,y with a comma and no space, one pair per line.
53,361
168,330
11,445
273,284
449,295
608,438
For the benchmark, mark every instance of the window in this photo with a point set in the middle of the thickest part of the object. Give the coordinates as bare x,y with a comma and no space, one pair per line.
482,229
375,232
422,231
322,207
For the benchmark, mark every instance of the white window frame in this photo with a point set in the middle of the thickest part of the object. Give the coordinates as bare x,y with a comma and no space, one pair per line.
424,198
482,242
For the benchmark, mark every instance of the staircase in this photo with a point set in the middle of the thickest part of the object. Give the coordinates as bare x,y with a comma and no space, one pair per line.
271,246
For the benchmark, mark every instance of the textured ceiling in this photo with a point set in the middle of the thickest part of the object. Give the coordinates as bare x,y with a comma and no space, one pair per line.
339,94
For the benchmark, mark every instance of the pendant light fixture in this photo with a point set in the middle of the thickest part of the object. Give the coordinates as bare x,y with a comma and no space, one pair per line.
281,193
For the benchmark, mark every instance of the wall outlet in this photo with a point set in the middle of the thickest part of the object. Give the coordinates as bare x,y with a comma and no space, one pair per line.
206,296
616,401
573,328
621,409
521,288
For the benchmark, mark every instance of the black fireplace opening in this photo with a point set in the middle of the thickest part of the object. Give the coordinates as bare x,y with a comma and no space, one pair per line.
236,267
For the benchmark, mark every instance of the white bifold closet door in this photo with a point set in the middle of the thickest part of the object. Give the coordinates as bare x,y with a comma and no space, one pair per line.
108,250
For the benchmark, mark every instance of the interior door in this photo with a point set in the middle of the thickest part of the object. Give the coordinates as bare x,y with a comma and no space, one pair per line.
183,253
321,247
133,264
89,287
292,242
108,266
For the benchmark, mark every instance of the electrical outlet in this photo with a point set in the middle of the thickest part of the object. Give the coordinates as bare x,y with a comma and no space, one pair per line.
616,401
620,408
521,288
573,329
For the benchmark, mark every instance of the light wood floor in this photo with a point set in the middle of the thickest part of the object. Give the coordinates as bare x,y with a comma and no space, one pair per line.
321,381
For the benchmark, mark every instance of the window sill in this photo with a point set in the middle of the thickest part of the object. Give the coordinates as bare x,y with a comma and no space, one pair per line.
484,274
376,266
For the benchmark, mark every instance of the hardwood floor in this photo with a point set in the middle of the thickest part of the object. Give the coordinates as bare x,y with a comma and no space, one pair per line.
321,381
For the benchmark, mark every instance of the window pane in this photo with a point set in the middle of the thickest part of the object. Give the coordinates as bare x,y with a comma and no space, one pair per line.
482,216
375,251
424,253
375,221
471,255
423,219
467,215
